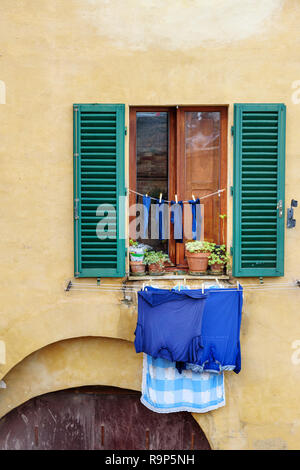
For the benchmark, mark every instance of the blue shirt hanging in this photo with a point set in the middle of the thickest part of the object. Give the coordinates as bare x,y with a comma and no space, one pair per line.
221,330
169,323
169,327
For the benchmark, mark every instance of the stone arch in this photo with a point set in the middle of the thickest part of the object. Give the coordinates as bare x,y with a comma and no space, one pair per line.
32,333
73,363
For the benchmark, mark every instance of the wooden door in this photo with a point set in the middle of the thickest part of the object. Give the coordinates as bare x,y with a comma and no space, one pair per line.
97,418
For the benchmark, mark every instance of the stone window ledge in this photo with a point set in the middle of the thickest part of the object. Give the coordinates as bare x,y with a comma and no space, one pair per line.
175,277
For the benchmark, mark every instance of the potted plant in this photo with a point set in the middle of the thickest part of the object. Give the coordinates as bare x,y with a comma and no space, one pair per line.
156,262
197,254
137,265
218,259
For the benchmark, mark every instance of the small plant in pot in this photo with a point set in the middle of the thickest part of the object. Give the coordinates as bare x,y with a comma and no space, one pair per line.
137,265
156,262
197,254
218,259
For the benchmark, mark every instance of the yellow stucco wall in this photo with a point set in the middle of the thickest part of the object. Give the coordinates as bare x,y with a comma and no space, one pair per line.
137,52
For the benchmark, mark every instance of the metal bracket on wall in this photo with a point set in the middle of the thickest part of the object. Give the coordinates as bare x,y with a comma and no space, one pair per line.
291,222
68,286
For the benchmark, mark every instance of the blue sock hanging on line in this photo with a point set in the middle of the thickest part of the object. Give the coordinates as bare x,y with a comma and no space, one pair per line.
196,221
160,219
146,204
176,220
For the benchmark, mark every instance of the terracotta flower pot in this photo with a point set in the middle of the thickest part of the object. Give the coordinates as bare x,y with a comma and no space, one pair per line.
217,268
137,267
198,262
156,269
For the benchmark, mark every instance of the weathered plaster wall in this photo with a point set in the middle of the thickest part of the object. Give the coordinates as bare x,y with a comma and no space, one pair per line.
53,54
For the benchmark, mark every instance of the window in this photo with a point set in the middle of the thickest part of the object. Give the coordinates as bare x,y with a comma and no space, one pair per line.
179,150
182,151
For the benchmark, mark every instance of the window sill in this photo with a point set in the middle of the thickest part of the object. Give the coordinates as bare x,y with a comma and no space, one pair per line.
176,277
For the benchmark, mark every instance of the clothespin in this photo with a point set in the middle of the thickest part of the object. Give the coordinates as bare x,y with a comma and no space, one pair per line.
193,197
146,194
202,288
160,196
143,288
176,200
237,285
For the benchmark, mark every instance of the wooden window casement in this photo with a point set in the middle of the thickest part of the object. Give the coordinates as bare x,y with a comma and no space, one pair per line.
181,150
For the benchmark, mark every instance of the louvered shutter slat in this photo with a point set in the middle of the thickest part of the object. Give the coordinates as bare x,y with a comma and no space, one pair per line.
99,132
259,156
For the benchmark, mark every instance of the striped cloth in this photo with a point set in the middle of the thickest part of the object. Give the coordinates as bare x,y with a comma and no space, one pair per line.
164,390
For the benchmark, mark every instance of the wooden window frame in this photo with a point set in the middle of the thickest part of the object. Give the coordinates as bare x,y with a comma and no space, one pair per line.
176,160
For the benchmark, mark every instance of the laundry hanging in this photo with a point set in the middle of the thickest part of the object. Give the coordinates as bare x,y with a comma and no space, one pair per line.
220,332
176,220
164,390
196,218
191,327
161,219
146,204
169,323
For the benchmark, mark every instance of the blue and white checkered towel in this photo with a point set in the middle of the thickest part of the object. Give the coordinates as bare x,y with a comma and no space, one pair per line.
164,390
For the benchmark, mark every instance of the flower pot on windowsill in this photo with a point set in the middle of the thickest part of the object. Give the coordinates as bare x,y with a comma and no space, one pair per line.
198,262
217,268
137,268
156,269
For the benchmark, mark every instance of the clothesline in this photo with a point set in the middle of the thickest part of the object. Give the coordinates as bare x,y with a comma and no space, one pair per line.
167,201
76,286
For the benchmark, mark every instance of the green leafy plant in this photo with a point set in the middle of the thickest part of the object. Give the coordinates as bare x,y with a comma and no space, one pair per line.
199,246
219,256
155,257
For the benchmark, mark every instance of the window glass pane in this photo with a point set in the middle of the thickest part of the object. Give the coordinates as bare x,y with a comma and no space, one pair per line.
202,166
152,136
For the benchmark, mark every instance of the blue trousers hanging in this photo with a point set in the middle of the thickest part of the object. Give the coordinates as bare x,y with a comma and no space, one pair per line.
196,220
176,220
146,204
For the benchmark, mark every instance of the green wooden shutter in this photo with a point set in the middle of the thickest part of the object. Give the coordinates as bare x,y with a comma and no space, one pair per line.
99,133
258,191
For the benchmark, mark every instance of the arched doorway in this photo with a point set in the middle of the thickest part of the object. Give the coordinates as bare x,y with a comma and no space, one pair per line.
100,418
